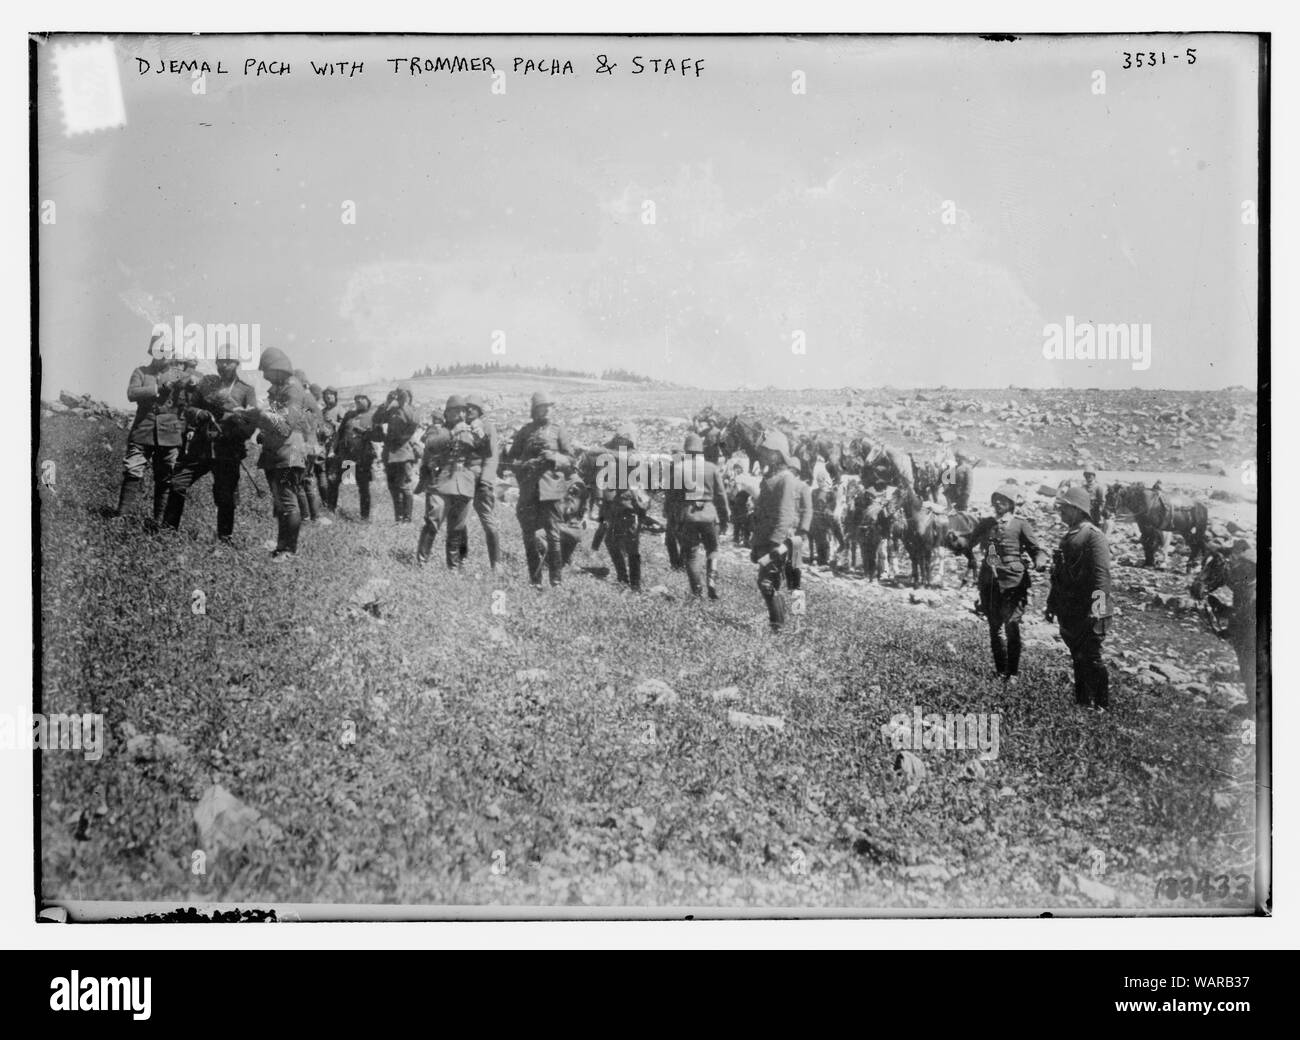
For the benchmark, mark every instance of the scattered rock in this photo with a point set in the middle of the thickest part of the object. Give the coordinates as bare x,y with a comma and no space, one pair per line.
744,720
527,675
656,692
227,824
726,693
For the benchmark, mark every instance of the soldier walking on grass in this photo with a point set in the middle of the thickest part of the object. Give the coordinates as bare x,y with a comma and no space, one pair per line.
448,477
357,447
158,431
217,442
1003,578
540,453
483,463
397,418
284,426
330,473
704,514
1080,597
623,506
782,518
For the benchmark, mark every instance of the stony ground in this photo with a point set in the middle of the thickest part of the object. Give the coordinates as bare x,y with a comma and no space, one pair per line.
349,728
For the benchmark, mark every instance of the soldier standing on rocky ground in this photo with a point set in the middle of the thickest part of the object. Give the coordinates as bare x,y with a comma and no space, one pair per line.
1096,490
704,514
711,434
399,425
623,505
158,431
957,483
1080,597
1003,578
540,453
355,446
823,523
484,465
329,475
447,475
284,426
217,442
782,518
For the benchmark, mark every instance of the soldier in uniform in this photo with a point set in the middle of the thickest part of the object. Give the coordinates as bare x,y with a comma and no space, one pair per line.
356,446
158,431
782,518
1080,596
1096,490
712,437
330,473
623,507
487,452
309,501
284,426
217,442
397,418
704,514
824,523
957,483
447,472
1003,578
540,453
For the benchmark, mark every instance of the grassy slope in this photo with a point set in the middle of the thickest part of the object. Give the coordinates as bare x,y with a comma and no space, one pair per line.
457,758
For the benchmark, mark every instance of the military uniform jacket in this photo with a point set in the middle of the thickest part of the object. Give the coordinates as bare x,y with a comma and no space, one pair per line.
1096,495
449,456
1009,539
697,486
487,450
215,432
1081,575
354,441
540,478
784,507
713,446
331,420
284,426
401,426
158,419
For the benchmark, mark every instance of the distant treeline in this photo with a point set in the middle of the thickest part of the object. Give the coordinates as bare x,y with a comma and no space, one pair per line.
621,375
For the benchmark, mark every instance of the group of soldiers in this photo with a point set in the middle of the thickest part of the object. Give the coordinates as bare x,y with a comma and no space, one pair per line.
189,424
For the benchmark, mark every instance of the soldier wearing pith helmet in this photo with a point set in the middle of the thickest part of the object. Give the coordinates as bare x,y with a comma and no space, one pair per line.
1080,596
704,514
540,454
446,470
1003,577
484,464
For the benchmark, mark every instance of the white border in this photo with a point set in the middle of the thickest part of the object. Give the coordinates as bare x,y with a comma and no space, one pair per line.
17,929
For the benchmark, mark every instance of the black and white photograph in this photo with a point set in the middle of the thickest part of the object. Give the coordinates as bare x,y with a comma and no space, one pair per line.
623,476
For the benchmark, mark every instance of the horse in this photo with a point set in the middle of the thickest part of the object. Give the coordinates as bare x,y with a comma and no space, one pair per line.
1157,513
742,435
1229,608
925,534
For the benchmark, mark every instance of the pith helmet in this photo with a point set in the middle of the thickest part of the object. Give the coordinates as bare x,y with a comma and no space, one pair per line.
1008,491
694,444
475,401
1076,497
454,402
275,360
541,397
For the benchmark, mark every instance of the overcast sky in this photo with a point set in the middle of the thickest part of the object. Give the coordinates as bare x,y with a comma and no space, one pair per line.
774,211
